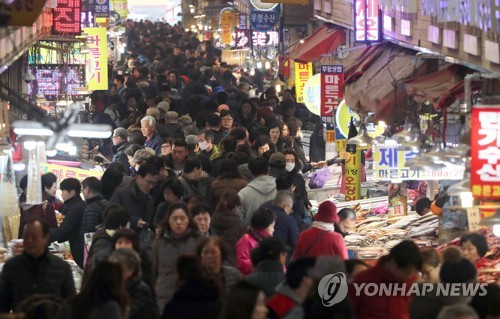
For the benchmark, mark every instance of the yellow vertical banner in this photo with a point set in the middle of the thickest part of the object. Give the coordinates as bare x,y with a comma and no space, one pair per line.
303,71
120,7
96,66
353,176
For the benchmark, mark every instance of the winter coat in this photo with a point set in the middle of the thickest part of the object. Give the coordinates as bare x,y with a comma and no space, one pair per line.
259,190
120,156
23,276
155,143
139,205
195,299
166,249
383,307
100,249
331,243
244,247
220,186
268,275
285,227
230,228
93,215
69,230
228,277
284,304
142,301
109,310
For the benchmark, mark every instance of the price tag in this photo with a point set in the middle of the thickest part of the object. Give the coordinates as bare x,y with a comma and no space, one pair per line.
473,217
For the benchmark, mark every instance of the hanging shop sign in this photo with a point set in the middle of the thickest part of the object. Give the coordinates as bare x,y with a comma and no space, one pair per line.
352,175
367,21
332,78
312,94
242,21
265,39
101,8
120,7
20,12
63,172
485,152
263,20
259,5
97,62
303,71
389,164
226,37
54,80
87,19
226,24
66,18
241,39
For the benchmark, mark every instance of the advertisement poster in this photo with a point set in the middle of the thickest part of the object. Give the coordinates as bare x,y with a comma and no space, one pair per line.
97,63
332,78
303,71
353,176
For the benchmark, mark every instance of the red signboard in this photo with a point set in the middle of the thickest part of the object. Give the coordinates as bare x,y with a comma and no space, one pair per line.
67,17
367,21
332,78
485,152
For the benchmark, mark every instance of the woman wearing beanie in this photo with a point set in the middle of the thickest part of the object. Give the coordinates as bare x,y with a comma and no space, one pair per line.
321,238
454,270
474,247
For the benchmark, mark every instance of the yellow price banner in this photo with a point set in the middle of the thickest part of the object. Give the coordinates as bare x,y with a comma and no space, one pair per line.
352,176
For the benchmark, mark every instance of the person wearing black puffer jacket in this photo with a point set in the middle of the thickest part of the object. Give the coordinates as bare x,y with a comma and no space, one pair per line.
93,215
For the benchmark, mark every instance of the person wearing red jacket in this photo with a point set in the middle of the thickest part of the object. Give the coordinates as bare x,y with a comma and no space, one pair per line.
321,239
399,267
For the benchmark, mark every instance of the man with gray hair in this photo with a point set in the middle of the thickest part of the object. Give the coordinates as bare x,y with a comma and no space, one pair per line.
285,227
148,128
458,311
171,126
192,145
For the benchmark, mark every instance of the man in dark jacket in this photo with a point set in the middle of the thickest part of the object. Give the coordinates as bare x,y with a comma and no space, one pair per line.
73,210
285,228
96,204
120,143
136,198
35,271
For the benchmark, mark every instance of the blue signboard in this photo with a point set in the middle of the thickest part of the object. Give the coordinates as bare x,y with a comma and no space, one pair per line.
101,8
263,20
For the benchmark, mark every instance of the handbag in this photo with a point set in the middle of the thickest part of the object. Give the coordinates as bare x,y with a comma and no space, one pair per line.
147,237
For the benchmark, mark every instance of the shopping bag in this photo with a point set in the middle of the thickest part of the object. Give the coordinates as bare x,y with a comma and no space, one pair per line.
319,178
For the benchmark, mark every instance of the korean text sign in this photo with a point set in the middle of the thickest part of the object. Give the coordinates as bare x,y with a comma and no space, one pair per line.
97,63
101,8
367,21
66,17
332,78
263,20
303,71
353,176
63,172
389,163
485,152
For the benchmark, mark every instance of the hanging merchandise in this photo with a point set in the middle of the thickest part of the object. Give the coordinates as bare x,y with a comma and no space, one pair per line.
34,188
9,208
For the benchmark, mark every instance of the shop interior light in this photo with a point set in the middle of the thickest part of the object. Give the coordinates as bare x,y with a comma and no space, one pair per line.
278,84
31,128
362,139
51,153
19,166
259,65
438,153
405,135
90,130
29,145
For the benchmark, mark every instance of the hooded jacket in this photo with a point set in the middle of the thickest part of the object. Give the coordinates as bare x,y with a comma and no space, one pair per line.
258,191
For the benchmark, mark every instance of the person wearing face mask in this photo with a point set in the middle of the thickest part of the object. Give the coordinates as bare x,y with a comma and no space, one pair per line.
205,142
293,168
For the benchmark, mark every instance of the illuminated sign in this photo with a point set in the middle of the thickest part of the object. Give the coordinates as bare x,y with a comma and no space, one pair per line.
265,39
485,152
101,8
53,80
332,78
87,20
260,5
263,20
66,17
367,21
303,71
241,39
242,21
312,94
97,64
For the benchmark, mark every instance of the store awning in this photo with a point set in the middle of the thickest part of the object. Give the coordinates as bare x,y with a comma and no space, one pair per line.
440,88
324,41
375,81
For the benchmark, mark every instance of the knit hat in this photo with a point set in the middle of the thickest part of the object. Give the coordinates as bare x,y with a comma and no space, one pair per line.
327,212
455,268
278,160
164,105
326,265
223,107
121,132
